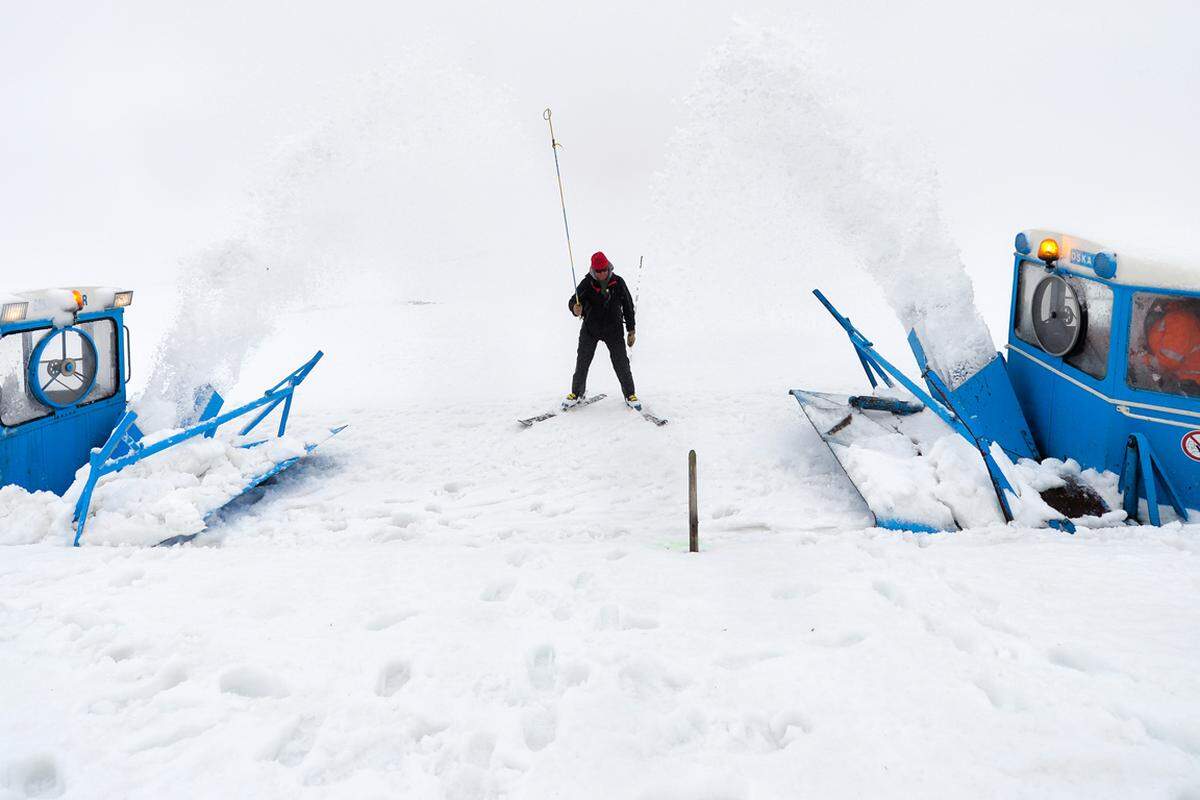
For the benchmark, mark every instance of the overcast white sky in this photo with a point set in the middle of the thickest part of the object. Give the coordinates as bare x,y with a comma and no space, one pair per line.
132,132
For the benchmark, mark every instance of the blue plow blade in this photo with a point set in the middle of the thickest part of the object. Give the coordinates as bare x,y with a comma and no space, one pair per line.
126,445
254,483
842,421
983,410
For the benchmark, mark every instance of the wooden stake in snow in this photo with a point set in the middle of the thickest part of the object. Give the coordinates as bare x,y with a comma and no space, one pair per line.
693,510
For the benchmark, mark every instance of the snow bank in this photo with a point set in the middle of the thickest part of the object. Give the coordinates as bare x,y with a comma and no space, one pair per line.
775,186
27,517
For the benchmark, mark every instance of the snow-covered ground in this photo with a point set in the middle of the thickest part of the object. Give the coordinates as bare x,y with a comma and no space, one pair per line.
442,604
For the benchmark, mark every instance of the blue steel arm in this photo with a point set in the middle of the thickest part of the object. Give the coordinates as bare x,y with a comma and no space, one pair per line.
96,461
102,465
866,351
1141,465
292,381
865,357
211,409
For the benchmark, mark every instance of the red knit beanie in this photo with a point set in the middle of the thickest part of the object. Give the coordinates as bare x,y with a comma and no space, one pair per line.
600,261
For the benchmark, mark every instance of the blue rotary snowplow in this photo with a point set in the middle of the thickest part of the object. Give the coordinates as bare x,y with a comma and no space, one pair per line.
1102,368
64,368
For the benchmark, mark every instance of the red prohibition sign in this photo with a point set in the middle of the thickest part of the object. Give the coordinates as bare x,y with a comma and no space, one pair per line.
1191,445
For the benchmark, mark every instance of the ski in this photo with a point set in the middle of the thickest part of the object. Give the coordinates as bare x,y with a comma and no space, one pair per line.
587,401
646,415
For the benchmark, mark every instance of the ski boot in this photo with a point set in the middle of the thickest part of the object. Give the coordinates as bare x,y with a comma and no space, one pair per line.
633,402
571,399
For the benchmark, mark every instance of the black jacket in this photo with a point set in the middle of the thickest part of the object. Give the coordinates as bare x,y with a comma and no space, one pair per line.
604,310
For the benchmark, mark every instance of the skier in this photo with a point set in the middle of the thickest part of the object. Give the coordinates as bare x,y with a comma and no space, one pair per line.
602,300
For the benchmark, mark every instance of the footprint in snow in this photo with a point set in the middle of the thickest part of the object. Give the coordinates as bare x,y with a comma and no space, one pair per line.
251,682
121,652
963,640
539,727
1001,696
1079,659
33,776
126,577
479,749
167,678
498,590
540,665
775,733
294,741
788,726
841,639
387,619
519,557
393,677
398,528
167,734
614,618
645,677
891,592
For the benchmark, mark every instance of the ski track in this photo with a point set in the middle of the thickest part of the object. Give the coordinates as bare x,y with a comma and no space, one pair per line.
442,604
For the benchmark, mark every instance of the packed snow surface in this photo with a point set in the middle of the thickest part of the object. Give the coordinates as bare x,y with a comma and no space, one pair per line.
438,603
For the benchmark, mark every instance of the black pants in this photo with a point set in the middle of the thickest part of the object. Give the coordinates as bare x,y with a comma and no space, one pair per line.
615,341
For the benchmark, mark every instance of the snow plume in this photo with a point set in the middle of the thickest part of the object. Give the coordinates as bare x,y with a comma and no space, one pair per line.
774,177
367,202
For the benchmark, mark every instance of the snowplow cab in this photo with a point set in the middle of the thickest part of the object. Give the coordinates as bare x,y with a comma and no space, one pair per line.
63,371
1104,356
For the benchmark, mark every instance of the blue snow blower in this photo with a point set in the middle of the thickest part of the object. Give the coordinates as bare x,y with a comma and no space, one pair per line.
1103,368
64,367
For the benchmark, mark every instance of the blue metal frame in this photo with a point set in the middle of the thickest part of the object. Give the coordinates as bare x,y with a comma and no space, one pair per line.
36,356
124,446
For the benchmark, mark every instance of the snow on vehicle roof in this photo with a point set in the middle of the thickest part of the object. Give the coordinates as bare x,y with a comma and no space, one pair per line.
1131,270
59,305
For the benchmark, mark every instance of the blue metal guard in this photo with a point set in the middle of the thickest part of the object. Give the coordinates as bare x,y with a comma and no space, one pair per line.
124,447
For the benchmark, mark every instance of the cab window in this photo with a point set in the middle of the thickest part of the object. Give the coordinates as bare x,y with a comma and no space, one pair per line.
1164,344
19,404
104,334
1065,316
